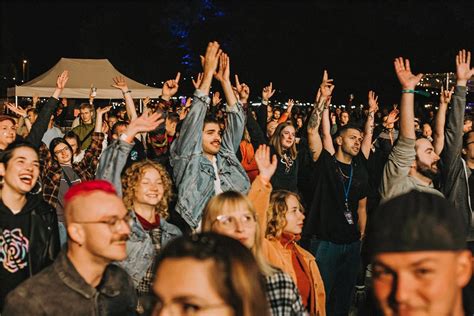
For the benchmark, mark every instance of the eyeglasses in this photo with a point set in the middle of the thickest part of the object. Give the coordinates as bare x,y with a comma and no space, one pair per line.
230,222
183,308
115,223
60,151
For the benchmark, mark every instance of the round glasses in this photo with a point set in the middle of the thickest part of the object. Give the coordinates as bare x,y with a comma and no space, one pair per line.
230,222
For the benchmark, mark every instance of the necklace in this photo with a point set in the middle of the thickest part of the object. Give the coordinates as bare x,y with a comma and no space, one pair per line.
287,161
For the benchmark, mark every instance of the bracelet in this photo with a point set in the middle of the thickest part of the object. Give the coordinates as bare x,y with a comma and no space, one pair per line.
423,93
128,91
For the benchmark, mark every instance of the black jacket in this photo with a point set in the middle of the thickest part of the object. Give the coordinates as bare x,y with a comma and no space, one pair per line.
41,225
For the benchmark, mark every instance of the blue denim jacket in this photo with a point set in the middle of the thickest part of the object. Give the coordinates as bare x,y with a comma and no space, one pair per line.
140,249
193,173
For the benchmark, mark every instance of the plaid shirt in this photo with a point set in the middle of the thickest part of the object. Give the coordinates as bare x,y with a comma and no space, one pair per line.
283,295
52,172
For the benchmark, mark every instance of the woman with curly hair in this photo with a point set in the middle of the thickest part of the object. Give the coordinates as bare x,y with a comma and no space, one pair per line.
147,191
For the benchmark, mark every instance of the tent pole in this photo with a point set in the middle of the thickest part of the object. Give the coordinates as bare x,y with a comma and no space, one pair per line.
16,100
141,106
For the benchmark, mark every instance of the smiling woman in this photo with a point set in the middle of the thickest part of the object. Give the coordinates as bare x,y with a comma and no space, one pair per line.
27,223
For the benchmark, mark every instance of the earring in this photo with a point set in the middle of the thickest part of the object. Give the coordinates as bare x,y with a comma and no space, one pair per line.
40,188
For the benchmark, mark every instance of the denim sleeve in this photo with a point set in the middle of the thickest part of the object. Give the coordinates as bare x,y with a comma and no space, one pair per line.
190,137
235,128
112,162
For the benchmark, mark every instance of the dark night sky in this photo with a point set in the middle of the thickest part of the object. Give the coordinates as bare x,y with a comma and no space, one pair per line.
287,42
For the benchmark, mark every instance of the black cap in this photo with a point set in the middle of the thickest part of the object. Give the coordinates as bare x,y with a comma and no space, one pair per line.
416,221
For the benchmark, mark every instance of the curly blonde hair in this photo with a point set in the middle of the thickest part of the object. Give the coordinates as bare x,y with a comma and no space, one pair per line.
276,213
133,176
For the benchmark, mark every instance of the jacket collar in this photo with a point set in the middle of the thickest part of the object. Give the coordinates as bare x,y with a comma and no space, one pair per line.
109,285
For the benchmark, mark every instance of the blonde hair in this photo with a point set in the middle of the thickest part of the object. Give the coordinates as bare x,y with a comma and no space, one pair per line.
231,201
277,212
275,141
133,176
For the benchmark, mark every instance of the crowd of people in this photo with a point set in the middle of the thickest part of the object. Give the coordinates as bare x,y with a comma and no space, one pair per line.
216,207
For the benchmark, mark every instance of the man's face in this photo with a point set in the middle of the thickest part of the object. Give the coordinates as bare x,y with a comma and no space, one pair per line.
350,141
63,154
469,149
111,121
32,116
73,143
426,158
421,282
211,139
104,229
271,127
276,114
344,118
86,116
119,131
427,131
417,125
467,126
170,127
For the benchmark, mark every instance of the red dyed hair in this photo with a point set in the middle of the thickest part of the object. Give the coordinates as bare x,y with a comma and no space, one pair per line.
88,187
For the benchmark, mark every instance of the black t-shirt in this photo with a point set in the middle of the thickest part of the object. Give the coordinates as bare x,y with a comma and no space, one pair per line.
286,174
14,248
326,219
471,185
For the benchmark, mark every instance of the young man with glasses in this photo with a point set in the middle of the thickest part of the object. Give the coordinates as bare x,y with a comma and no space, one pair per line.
82,280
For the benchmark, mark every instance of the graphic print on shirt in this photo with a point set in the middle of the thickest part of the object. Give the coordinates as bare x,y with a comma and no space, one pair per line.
13,250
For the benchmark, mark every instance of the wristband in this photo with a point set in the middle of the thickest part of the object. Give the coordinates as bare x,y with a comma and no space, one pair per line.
423,93
128,91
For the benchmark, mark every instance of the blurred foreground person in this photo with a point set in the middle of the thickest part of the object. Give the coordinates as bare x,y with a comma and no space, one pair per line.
420,262
81,281
208,274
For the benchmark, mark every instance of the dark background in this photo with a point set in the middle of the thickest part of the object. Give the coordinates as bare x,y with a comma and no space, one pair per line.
287,42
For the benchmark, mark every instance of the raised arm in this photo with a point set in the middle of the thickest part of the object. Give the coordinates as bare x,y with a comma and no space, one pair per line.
454,126
440,119
121,84
370,124
261,189
114,157
44,116
314,139
235,115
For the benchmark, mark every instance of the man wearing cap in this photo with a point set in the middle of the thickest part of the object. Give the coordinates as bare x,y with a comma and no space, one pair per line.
82,280
417,246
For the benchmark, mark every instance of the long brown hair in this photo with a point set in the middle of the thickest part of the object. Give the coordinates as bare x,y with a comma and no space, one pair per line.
275,141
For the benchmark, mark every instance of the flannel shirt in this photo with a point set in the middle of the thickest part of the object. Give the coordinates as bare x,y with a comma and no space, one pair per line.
283,295
52,172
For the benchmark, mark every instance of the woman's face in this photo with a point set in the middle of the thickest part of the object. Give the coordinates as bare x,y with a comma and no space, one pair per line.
149,190
22,170
183,286
238,224
287,137
7,133
294,216
63,154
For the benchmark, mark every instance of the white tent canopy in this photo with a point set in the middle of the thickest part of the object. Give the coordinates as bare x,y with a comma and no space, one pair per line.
83,73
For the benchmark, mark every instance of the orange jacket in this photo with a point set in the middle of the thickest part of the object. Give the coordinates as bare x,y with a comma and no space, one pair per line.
248,159
279,256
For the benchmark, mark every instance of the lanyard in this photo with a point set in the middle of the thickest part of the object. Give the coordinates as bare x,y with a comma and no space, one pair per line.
348,189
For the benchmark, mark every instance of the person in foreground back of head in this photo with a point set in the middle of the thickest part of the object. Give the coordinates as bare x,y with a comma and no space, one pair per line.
81,281
418,250
208,274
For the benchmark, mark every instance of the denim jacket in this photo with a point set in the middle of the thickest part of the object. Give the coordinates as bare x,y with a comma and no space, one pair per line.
193,173
140,248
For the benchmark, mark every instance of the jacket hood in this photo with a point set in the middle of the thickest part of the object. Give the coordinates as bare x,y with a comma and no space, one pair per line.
32,203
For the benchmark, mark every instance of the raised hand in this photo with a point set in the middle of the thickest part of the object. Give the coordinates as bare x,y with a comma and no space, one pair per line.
62,80
223,74
120,83
243,90
211,59
35,99
18,110
407,80
445,95
145,123
146,101
268,92
373,104
290,104
197,82
326,86
266,167
464,72
392,116
102,111
216,98
171,87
